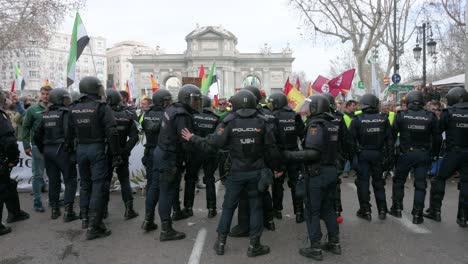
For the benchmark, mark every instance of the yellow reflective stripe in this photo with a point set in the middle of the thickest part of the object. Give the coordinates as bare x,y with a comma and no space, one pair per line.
391,117
142,118
347,120
358,112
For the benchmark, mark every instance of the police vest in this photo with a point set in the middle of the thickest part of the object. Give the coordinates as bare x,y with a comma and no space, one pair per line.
372,130
151,124
347,120
168,138
54,127
415,129
124,121
205,123
322,135
6,129
391,117
247,142
85,119
286,129
457,130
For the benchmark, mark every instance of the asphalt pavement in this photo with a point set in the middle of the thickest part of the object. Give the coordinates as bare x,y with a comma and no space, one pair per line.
41,240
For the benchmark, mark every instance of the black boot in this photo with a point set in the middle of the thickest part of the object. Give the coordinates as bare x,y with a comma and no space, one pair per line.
313,252
168,233
461,217
18,216
129,212
219,244
55,212
364,213
97,229
396,209
333,245
256,249
105,212
382,211
84,216
148,224
212,212
238,231
188,211
269,222
299,211
278,215
417,216
299,217
179,215
433,213
69,215
4,229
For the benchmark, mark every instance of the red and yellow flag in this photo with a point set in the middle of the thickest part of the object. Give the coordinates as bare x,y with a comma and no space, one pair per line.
201,75
154,84
295,98
287,87
127,89
310,90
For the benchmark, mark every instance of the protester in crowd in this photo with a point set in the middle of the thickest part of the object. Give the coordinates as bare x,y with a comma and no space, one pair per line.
145,104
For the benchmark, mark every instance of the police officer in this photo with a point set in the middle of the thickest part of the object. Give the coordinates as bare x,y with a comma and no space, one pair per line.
252,145
242,227
94,123
454,122
170,154
341,160
205,124
419,141
151,123
9,157
54,139
372,136
320,148
289,129
128,138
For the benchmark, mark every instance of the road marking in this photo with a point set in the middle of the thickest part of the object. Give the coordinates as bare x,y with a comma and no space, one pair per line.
198,247
404,220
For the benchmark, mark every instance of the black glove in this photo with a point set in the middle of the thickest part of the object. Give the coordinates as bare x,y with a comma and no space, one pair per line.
265,181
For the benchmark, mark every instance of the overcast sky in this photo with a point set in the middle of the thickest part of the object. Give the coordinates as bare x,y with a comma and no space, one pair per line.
166,23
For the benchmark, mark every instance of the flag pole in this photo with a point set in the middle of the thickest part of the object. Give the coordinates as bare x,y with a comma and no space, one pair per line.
92,59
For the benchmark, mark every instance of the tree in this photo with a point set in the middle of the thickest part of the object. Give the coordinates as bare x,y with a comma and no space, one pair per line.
23,21
360,22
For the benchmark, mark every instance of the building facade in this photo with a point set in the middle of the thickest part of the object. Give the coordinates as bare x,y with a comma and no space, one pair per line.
208,45
38,64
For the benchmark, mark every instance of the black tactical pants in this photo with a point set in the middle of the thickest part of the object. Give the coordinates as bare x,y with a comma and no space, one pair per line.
292,172
194,164
123,174
370,166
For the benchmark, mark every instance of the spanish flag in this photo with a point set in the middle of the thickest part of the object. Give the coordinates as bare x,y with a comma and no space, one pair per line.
154,84
295,98
127,89
310,90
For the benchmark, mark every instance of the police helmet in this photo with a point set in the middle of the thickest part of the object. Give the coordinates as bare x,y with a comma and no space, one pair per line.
244,103
318,104
256,92
113,97
190,95
369,101
76,96
206,101
162,98
456,95
278,101
92,86
59,96
331,99
415,98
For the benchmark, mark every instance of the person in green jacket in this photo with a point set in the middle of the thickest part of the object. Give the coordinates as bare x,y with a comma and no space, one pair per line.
32,119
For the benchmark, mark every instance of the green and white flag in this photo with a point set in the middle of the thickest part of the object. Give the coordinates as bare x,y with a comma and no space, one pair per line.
78,43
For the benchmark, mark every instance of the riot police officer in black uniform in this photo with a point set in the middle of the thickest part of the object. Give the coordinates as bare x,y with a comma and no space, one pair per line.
289,128
9,157
419,141
454,122
205,124
171,152
372,136
94,123
320,148
55,140
151,123
252,144
343,138
128,138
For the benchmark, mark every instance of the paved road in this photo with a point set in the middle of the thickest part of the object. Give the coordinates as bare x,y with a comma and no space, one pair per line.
41,240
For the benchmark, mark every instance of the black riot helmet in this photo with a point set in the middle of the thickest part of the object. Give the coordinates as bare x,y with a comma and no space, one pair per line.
75,96
256,92
59,96
415,98
244,103
331,99
190,95
456,95
113,97
206,102
369,101
277,101
318,104
162,98
92,86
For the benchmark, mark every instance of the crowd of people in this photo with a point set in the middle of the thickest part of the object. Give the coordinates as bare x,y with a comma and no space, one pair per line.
257,143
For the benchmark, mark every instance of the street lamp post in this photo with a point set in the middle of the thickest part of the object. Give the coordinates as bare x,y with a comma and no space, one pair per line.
431,47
